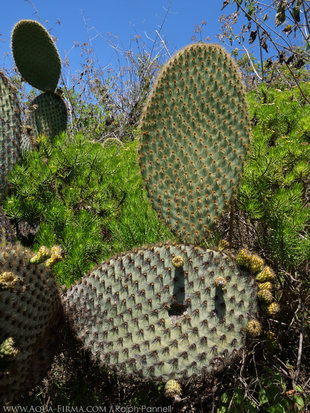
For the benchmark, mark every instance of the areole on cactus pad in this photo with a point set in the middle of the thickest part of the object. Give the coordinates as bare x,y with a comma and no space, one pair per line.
195,134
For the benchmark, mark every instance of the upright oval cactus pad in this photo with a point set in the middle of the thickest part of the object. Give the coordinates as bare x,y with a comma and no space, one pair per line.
10,128
48,115
158,312
30,310
195,132
36,55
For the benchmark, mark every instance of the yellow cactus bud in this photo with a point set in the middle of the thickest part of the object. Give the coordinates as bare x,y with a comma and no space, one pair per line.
8,349
265,295
220,282
177,261
223,244
57,252
173,389
266,274
41,255
8,279
273,309
57,255
254,328
265,286
256,263
243,257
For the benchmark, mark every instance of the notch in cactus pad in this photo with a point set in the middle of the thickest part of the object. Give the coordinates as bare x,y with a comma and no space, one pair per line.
195,133
48,115
36,55
122,314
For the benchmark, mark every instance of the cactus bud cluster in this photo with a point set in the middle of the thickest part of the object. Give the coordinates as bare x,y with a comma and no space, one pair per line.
51,257
30,310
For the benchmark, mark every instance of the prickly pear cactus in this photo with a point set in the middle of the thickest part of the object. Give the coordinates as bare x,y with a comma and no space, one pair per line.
10,129
36,55
30,310
195,134
161,312
48,115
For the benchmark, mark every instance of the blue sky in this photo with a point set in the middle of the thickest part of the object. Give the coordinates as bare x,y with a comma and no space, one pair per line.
82,20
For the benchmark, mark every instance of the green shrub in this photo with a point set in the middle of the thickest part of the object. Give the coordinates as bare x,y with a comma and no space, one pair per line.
270,396
275,188
89,199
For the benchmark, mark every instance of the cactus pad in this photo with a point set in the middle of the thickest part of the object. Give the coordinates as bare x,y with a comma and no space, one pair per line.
195,133
36,55
139,314
30,308
10,129
48,115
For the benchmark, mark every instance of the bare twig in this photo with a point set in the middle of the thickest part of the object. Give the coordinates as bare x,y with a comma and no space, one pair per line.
163,42
250,60
301,337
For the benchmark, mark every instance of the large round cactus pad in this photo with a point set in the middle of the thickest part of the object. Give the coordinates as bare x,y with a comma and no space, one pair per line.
48,115
140,315
195,132
36,55
10,128
30,310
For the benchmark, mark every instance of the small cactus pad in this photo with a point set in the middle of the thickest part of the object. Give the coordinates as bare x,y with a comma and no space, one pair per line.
48,115
139,314
29,308
10,129
194,139
36,55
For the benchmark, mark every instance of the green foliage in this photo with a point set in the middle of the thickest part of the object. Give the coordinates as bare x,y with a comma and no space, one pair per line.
81,195
271,396
275,188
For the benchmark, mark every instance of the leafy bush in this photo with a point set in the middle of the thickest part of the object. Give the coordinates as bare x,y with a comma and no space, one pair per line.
271,396
85,197
275,187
